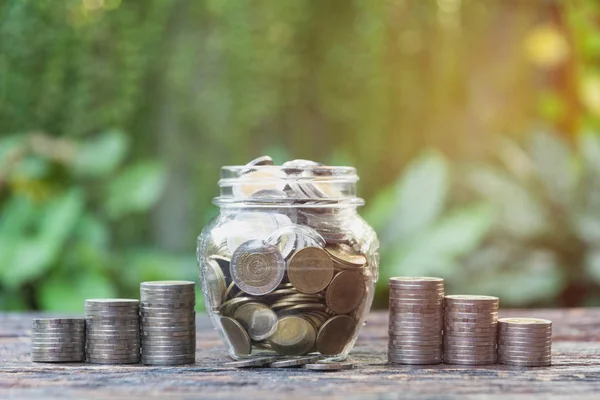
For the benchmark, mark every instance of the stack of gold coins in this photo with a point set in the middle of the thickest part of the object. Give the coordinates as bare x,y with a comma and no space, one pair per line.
112,331
470,327
168,322
525,342
416,320
58,340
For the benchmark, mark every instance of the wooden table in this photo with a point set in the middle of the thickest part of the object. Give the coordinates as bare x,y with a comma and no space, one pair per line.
575,372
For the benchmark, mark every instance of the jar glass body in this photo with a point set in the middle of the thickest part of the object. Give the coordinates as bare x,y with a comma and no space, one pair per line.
283,277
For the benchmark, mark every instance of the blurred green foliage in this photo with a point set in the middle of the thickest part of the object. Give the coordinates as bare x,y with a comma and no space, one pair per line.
58,238
115,117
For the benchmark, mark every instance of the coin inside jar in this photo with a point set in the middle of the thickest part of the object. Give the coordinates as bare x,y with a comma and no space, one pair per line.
259,320
346,291
236,336
310,270
335,334
215,281
294,336
257,267
344,254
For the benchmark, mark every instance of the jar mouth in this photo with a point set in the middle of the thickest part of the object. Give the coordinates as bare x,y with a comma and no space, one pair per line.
311,186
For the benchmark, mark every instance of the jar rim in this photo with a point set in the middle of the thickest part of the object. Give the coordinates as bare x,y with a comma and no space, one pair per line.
291,186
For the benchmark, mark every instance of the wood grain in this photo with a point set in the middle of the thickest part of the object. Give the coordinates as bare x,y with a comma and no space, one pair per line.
575,372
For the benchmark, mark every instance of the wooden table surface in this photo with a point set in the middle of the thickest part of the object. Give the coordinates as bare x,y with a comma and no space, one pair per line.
575,372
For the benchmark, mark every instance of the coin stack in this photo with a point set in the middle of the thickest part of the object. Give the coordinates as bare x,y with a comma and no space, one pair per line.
168,322
416,320
470,326
58,340
112,331
525,342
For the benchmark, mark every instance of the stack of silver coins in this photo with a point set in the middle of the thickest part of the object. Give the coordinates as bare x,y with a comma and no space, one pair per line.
470,329
525,342
58,340
112,331
416,320
168,322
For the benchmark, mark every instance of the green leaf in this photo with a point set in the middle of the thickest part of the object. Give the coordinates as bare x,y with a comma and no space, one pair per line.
136,189
437,250
379,208
552,160
532,277
68,293
101,155
38,240
519,212
420,197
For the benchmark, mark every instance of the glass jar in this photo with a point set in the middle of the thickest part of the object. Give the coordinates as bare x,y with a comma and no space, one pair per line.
288,267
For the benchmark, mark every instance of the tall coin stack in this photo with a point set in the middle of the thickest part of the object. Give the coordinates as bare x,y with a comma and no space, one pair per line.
416,320
168,322
113,331
525,342
58,340
470,329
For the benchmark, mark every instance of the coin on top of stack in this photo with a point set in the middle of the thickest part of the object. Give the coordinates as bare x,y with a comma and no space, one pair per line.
416,320
470,326
168,322
112,331
525,342
58,340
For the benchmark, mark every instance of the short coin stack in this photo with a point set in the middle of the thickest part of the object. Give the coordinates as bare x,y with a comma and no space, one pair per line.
470,329
416,320
58,340
168,322
525,342
112,331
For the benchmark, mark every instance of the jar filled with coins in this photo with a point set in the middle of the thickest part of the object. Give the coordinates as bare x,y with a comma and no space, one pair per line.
288,267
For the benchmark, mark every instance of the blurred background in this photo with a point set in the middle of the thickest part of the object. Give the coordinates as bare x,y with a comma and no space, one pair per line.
473,126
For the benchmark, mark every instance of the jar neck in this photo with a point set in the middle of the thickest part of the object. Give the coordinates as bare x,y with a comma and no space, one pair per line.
288,187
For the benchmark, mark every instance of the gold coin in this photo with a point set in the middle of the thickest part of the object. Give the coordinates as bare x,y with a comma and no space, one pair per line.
257,267
236,336
335,334
215,282
310,269
259,320
229,307
346,291
345,254
294,336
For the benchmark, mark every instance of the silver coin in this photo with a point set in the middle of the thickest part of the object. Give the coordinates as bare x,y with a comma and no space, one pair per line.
334,366
52,359
148,341
294,362
415,362
417,342
66,329
56,321
167,285
257,268
59,336
100,324
168,329
168,316
165,357
94,360
249,363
